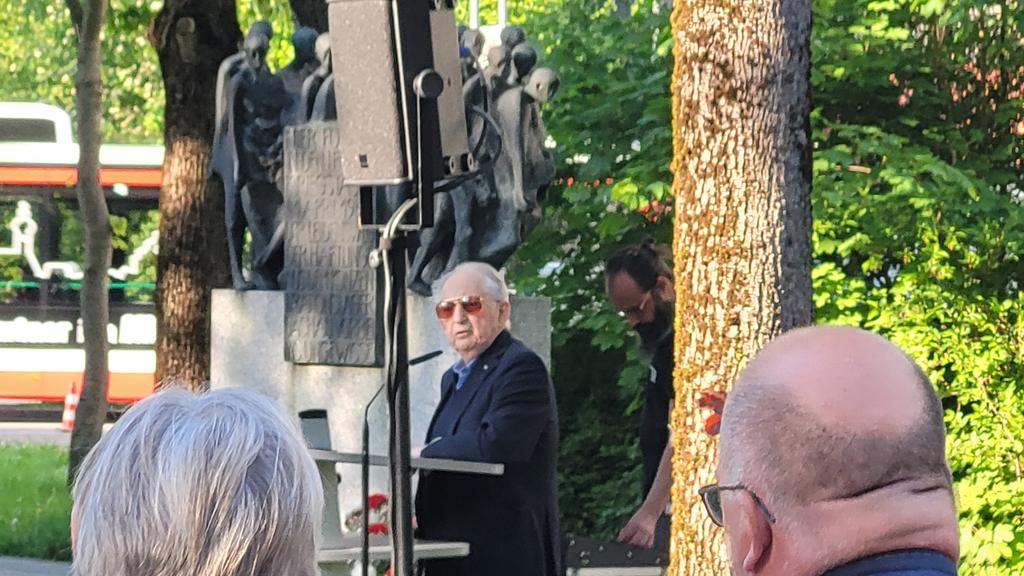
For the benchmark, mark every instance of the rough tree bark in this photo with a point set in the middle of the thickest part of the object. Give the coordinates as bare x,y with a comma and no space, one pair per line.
312,13
743,220
191,39
92,406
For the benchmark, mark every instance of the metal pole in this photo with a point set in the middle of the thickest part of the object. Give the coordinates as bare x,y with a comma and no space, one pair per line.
398,399
474,14
502,13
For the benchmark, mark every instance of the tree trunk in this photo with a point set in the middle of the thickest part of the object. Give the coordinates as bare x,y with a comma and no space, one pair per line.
312,13
191,39
743,221
92,406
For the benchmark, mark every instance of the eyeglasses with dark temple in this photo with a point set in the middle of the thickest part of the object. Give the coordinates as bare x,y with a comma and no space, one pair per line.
712,498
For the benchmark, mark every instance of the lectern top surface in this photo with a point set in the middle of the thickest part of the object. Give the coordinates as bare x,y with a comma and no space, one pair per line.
380,549
437,464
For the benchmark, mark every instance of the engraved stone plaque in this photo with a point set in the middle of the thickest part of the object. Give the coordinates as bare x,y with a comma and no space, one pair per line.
332,306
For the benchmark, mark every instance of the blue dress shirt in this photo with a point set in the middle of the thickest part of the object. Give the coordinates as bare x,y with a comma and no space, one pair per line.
462,370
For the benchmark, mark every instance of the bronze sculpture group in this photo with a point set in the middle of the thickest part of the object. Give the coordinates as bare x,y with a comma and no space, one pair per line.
482,219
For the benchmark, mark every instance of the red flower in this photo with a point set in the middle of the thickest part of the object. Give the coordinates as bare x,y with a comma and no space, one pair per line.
375,501
713,424
715,401
379,528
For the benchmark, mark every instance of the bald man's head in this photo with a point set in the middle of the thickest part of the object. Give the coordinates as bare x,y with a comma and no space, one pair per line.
831,413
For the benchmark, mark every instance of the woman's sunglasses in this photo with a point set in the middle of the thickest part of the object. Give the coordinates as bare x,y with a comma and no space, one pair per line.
470,304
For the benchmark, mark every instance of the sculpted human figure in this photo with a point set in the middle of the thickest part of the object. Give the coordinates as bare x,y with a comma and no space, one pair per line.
524,58
294,74
471,46
224,161
486,218
499,58
305,61
258,99
229,67
522,172
317,100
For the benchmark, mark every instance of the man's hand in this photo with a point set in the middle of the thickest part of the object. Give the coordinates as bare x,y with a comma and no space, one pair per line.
639,531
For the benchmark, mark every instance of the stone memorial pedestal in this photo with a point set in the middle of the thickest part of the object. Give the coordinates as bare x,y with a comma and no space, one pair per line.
247,350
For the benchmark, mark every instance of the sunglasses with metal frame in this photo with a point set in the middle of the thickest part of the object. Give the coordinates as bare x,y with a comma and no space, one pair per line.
712,498
445,309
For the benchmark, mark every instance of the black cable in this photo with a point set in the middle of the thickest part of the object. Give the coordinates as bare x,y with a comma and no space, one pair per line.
451,184
483,132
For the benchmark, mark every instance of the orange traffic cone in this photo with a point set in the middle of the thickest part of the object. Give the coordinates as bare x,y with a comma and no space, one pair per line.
67,421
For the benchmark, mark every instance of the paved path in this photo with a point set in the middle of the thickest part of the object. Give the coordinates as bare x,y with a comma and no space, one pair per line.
36,433
33,433
25,567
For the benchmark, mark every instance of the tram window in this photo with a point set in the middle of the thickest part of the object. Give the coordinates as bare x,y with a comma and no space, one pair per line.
55,238
27,130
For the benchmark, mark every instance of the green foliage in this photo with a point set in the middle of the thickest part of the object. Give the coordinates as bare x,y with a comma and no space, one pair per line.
927,254
917,229
37,56
918,225
35,505
279,14
129,231
610,123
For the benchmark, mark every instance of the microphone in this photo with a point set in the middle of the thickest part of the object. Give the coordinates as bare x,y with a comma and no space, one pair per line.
425,357
365,559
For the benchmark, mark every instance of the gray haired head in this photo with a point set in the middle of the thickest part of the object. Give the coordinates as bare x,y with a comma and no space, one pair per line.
217,484
491,281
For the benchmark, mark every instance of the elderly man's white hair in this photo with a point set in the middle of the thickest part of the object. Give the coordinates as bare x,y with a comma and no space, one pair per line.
492,281
217,484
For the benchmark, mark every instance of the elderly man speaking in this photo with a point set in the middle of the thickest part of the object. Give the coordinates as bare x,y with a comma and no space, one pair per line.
497,405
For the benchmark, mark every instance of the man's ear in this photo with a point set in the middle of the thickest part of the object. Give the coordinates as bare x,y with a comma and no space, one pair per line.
756,534
666,291
505,313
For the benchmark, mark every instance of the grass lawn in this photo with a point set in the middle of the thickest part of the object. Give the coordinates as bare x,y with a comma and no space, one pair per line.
35,503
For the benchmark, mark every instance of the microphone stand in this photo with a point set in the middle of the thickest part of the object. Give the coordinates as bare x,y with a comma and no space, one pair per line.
365,552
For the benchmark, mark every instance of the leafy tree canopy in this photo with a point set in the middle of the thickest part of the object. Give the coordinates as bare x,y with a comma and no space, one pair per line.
917,129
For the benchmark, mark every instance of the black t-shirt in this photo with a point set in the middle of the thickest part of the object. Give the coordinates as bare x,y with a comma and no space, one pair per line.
658,392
